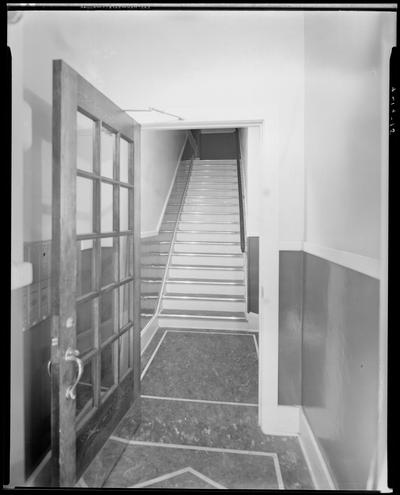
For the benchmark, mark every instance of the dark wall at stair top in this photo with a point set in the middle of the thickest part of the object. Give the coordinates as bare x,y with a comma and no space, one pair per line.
220,146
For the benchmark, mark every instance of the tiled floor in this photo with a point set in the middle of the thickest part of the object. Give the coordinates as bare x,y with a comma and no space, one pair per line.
199,422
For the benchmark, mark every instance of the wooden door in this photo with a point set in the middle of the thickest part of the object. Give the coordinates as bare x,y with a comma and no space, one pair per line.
95,270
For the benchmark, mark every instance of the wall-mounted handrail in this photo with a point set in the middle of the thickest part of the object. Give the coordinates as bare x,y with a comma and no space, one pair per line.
193,143
240,191
152,109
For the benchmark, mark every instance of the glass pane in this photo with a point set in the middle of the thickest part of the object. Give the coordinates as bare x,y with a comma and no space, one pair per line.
107,261
108,357
106,207
106,315
84,205
107,152
124,305
84,267
123,208
123,354
84,152
123,160
84,327
131,305
131,255
131,330
124,255
84,389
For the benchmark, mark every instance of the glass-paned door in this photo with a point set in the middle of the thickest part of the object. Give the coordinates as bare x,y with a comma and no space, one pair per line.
96,234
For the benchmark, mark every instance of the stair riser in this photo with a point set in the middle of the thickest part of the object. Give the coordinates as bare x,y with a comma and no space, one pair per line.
234,209
209,218
152,272
149,259
201,305
192,273
207,260
203,179
149,288
209,226
165,236
211,186
186,236
200,323
162,248
217,181
194,288
207,248
210,193
148,304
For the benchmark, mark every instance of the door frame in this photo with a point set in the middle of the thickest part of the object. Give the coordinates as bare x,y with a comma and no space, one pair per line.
273,418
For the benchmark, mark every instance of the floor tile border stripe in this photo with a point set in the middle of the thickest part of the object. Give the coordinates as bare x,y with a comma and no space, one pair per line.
202,401
273,455
256,344
179,472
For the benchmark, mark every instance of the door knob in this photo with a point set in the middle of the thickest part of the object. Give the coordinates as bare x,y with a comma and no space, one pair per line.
72,355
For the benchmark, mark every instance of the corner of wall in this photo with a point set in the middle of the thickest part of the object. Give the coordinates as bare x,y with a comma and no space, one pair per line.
171,185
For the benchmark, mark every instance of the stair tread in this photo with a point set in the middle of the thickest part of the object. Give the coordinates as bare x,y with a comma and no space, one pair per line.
213,281
239,315
208,254
225,297
207,242
207,267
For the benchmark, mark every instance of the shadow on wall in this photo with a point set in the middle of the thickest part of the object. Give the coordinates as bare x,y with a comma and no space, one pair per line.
38,171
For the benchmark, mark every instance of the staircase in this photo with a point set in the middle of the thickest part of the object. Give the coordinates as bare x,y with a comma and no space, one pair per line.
205,284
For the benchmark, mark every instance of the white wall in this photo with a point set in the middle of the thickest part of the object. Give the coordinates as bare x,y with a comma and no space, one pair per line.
342,130
195,64
160,155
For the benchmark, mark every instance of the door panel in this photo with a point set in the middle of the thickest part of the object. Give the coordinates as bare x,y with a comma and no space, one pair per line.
96,286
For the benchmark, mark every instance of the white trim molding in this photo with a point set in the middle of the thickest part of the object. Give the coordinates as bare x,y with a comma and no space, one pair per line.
363,264
148,332
200,124
317,465
291,245
148,233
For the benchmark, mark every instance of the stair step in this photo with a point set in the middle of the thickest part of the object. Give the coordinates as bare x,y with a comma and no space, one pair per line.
206,267
209,281
207,247
202,259
204,297
219,315
203,286
206,272
187,235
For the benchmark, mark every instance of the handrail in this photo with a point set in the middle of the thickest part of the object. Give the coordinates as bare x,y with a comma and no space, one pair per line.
152,109
193,144
240,191
171,246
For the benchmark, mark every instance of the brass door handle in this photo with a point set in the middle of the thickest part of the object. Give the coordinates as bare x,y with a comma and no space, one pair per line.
72,355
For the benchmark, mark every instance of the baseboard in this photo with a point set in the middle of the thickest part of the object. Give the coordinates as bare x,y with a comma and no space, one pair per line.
279,420
253,320
148,333
172,185
320,473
